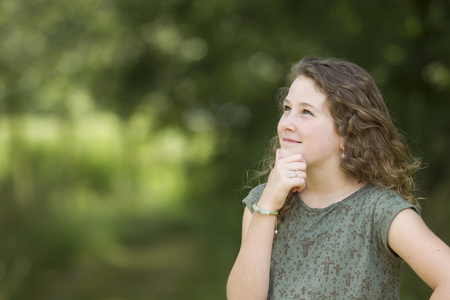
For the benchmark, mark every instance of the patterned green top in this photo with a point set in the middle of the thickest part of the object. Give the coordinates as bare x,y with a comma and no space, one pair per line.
337,252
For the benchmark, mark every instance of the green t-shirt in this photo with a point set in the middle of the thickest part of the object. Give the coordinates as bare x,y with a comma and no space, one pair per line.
337,252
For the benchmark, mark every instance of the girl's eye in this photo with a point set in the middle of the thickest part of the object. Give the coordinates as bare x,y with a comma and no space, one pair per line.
307,112
286,108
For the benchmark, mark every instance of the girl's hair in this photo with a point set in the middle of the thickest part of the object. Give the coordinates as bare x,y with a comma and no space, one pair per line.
375,151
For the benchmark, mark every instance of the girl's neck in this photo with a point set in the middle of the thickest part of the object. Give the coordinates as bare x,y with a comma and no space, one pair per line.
325,188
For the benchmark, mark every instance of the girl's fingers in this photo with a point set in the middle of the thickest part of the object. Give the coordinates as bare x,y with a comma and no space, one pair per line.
298,189
298,185
289,172
283,153
297,174
296,157
292,170
299,166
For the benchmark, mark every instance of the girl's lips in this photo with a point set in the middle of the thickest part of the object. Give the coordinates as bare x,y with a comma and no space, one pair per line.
291,141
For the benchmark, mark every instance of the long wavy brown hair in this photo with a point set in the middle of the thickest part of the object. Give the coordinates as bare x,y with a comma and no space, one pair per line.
375,151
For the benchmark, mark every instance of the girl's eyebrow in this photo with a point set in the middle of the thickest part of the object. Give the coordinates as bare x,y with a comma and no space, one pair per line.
303,104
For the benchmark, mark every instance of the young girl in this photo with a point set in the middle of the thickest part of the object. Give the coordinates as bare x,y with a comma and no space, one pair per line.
338,214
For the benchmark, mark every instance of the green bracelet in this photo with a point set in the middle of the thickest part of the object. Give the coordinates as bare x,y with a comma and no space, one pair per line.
263,211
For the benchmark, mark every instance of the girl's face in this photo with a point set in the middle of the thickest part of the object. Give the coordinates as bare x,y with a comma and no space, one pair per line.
306,125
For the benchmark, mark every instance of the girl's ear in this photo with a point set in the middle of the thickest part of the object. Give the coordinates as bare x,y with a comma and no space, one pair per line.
341,145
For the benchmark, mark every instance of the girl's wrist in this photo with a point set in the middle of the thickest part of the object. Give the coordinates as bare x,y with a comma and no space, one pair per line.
265,212
269,201
268,206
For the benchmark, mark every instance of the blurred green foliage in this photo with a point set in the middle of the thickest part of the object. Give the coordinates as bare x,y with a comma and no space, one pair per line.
127,127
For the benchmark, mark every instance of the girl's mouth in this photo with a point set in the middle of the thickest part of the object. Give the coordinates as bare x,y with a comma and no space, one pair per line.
290,141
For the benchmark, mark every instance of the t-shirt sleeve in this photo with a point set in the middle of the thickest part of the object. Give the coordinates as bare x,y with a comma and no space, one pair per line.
387,209
253,196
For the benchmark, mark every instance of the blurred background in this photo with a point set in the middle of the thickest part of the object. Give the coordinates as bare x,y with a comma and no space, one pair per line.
127,128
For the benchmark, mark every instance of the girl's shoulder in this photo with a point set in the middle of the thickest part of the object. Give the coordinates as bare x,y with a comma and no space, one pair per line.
383,196
253,196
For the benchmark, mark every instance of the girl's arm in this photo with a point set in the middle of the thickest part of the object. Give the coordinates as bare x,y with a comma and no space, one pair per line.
424,252
249,278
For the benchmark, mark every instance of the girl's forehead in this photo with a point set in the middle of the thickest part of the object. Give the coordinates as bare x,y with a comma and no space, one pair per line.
305,89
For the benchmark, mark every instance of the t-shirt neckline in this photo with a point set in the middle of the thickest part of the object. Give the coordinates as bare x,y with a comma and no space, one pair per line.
333,205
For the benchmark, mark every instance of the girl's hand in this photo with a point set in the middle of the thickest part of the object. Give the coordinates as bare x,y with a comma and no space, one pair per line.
288,174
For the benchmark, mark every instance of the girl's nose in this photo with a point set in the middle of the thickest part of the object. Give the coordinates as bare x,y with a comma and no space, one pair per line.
286,123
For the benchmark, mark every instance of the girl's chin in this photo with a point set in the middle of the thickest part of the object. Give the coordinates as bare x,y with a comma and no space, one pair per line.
292,149
291,146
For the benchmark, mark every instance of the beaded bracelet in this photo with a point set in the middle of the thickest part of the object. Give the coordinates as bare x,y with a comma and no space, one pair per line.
263,211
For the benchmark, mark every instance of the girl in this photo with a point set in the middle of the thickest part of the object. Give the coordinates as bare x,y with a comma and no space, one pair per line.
338,214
